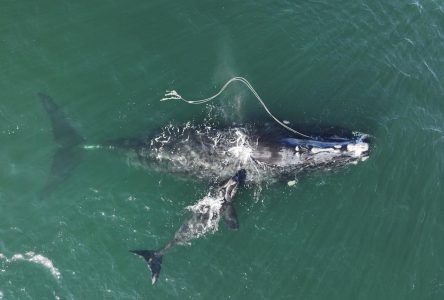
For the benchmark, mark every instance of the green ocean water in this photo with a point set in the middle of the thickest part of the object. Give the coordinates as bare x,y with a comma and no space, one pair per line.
370,231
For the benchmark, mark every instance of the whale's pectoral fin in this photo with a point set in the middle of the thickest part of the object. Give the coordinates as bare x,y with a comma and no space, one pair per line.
228,190
68,154
154,260
230,217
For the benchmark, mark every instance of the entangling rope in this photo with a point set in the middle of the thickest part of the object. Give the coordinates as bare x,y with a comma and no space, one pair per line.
173,95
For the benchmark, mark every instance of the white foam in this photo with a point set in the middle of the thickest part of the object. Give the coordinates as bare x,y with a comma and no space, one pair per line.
17,257
44,261
34,258
242,151
1,295
92,147
210,206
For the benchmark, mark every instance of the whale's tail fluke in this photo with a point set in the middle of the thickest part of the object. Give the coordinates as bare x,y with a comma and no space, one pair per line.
154,260
68,154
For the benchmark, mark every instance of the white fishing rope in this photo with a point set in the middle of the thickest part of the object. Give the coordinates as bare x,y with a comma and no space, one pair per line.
173,95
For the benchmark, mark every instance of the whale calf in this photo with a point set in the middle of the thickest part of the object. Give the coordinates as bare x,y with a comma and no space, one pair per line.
205,217
223,156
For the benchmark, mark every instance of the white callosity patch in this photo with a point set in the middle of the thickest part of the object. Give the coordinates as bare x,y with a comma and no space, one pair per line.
357,149
291,183
349,152
34,258
318,150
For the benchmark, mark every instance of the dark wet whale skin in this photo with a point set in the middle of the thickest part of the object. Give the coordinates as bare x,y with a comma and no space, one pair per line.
214,153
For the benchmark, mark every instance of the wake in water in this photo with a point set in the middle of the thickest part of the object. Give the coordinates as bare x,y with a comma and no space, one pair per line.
33,258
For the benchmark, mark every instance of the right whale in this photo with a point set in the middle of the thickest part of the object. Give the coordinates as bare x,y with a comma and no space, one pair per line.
214,153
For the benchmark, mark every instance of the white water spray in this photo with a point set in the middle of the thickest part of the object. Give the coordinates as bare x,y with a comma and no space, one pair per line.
211,207
34,258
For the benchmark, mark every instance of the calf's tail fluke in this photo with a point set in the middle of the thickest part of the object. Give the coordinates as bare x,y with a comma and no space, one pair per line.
154,260
68,154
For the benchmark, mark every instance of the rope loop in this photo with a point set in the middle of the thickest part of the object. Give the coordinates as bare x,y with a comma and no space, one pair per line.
173,95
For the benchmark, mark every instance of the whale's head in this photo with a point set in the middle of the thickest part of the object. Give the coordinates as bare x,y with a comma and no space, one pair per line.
358,147
328,151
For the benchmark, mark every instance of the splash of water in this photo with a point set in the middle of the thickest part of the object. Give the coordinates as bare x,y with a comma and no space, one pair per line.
207,214
242,151
34,258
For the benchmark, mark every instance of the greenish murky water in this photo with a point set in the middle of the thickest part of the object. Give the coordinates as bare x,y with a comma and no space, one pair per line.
371,231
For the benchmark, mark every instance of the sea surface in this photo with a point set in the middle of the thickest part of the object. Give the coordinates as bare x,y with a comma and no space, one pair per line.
370,231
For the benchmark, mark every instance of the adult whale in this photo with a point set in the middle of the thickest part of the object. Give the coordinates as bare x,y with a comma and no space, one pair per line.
266,153
214,153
